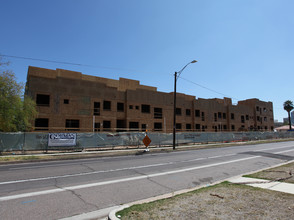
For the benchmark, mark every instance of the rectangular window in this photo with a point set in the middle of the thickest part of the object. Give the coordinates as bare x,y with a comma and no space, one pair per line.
157,126
137,107
143,127
145,108
130,107
72,124
197,127
65,101
203,128
107,105
242,119
188,127
97,126
197,113
178,126
188,112
178,111
106,125
225,127
120,125
247,117
224,116
215,116
265,119
96,108
157,112
219,115
232,116
134,126
120,107
202,116
41,124
233,127
43,100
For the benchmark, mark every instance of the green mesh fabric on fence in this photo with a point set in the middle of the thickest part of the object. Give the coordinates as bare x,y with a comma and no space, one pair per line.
39,141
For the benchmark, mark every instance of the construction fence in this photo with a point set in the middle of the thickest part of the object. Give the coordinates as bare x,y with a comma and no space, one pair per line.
10,142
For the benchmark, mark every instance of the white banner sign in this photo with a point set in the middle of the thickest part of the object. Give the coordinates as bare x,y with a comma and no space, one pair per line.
62,139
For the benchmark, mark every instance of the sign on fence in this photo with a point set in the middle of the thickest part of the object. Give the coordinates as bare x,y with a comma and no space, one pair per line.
62,139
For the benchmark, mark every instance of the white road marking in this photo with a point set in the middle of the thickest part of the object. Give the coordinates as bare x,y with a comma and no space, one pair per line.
70,188
130,168
104,171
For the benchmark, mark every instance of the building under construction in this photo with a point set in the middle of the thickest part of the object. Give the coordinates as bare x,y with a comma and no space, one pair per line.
72,101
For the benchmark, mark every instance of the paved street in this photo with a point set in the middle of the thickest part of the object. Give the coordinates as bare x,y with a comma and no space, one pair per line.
54,190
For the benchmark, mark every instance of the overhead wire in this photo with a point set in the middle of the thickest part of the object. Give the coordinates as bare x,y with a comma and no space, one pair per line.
66,63
204,87
111,68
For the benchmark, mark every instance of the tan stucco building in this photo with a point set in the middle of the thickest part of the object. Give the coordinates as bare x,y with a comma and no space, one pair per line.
72,101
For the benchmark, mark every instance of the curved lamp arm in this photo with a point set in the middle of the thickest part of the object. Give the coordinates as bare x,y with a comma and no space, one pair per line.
179,72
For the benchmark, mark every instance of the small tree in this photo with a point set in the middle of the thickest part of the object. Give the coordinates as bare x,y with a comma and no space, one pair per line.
288,106
16,111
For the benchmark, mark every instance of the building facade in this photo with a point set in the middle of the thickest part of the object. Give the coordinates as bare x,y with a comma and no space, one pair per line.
72,101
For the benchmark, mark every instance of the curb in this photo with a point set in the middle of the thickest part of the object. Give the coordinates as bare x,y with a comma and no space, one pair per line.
112,214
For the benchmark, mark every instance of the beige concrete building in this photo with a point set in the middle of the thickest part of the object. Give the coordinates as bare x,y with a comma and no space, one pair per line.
72,101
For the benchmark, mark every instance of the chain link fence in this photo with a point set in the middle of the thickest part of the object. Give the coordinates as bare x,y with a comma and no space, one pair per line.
23,142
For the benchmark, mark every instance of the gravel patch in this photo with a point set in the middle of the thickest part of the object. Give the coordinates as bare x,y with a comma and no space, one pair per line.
222,201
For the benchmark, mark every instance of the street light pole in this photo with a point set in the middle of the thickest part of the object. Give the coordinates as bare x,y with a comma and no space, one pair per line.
177,74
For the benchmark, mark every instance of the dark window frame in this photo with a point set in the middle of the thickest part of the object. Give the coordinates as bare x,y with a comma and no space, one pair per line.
157,126
106,125
96,109
106,105
197,113
120,107
158,113
188,112
179,111
188,127
145,108
43,100
41,124
72,124
178,126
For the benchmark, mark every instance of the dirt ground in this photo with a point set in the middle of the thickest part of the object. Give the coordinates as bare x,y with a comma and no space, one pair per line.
282,173
222,201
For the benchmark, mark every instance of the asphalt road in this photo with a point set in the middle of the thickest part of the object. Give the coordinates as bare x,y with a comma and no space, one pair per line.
58,189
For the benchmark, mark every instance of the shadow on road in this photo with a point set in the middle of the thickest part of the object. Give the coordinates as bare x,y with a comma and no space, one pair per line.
266,154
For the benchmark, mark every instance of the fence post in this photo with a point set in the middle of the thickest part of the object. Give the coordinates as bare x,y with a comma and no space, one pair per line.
24,141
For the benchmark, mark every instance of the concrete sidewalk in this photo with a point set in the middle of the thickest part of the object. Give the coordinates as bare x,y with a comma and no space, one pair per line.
265,184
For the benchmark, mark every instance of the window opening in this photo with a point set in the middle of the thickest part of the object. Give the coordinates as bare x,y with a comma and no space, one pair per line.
43,100
145,108
120,107
96,108
157,112
107,105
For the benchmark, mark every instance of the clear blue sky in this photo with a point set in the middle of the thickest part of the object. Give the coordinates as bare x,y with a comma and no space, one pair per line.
244,48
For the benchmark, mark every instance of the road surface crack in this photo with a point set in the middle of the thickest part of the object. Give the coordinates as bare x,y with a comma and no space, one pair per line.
90,168
75,194
153,181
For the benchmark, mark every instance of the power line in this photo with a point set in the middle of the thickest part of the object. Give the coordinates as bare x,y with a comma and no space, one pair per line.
104,67
66,63
204,87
